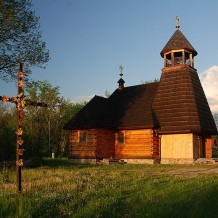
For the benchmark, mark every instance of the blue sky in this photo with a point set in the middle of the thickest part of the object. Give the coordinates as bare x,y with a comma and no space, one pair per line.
89,39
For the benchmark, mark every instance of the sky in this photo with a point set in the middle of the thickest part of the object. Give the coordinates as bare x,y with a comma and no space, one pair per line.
89,39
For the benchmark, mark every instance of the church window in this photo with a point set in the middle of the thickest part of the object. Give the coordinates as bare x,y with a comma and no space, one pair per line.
82,137
120,137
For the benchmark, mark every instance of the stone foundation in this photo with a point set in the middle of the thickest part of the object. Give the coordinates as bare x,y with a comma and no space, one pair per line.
177,161
83,161
135,161
141,161
130,161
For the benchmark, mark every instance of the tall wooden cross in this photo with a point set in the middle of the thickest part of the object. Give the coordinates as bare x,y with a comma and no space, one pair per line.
21,102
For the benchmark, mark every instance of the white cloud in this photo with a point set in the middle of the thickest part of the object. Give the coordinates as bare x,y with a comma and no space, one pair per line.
82,99
209,81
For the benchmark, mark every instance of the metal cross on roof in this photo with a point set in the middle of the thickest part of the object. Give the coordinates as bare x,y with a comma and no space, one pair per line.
21,102
121,70
177,22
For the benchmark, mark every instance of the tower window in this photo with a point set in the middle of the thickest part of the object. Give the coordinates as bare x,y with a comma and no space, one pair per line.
187,58
168,60
177,58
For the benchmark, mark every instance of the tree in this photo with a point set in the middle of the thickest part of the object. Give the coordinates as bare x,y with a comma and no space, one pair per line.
150,81
215,116
44,126
107,94
20,38
8,117
41,123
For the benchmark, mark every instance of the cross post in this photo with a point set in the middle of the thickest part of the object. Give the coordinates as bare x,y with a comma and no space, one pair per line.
21,102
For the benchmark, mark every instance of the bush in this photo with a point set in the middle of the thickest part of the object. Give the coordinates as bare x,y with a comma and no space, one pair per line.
35,162
55,162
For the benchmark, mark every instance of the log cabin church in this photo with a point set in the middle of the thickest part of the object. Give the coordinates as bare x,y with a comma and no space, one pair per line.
160,122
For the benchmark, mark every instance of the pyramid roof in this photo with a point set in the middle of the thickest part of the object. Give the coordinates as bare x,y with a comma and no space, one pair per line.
180,103
176,42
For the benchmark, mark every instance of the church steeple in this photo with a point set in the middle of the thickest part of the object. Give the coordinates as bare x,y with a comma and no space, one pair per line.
180,104
121,81
178,50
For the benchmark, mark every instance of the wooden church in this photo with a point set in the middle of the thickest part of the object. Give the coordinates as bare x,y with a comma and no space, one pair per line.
160,122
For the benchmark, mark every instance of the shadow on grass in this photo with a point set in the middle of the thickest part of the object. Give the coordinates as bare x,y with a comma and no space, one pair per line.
117,192
188,202
63,162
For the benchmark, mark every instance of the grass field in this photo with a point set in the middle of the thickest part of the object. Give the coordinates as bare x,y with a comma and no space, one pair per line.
111,191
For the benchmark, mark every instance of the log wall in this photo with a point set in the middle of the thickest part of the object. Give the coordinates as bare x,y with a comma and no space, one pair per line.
102,143
82,149
156,146
99,144
105,143
138,144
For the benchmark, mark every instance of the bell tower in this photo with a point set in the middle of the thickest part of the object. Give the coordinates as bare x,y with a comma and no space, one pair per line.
178,50
180,104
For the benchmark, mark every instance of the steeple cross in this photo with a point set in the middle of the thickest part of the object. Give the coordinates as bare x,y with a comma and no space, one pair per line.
121,70
21,102
177,22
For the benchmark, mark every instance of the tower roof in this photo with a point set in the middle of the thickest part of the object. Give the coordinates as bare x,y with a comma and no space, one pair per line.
178,41
180,103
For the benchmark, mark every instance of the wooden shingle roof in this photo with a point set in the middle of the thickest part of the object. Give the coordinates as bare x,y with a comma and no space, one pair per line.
132,107
129,108
180,103
176,42
93,115
176,104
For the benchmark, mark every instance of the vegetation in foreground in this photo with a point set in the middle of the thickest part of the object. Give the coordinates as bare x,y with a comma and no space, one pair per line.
111,191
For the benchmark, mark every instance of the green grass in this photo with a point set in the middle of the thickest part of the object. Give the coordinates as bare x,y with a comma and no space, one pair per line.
112,191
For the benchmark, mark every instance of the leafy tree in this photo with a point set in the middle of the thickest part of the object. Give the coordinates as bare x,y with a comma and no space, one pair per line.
107,94
44,126
41,123
150,81
8,123
215,116
20,38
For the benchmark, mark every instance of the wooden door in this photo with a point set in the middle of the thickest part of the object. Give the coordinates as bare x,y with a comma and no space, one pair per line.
208,148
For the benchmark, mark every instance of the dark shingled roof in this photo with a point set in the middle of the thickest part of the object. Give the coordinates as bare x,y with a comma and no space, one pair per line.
180,103
93,115
132,107
176,104
176,42
129,108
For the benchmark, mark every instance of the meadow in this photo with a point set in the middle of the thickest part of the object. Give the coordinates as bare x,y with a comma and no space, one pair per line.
58,189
